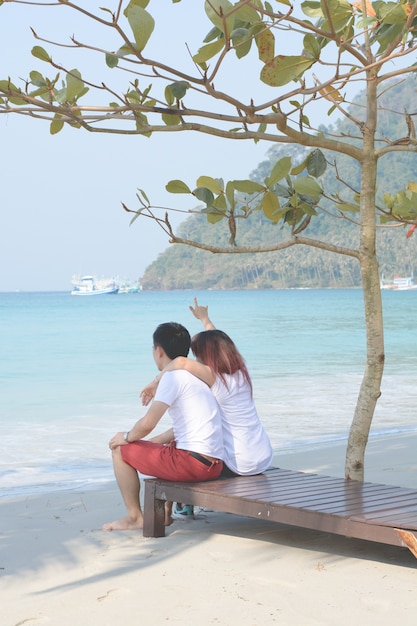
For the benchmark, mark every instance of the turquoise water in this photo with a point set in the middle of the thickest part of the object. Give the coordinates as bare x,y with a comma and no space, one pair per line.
71,370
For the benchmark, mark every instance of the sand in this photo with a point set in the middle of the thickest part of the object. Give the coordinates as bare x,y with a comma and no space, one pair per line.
58,567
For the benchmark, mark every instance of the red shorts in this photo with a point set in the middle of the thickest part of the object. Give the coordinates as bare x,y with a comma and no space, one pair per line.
167,462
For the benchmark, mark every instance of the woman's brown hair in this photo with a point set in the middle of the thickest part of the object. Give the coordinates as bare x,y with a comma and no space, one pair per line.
216,350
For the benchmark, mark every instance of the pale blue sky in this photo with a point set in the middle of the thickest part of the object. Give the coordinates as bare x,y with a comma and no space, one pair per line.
61,195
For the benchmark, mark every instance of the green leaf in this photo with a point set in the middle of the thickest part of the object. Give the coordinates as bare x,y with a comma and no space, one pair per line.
179,89
214,11
213,34
347,207
230,194
242,47
389,200
247,186
40,53
145,197
341,13
387,35
210,183
316,163
265,41
283,69
125,50
139,3
307,186
299,168
141,23
281,191
220,203
308,209
37,79
312,46
294,200
169,96
270,206
245,13
56,125
214,217
207,52
204,195
177,186
312,8
111,60
171,120
75,86
391,12
280,170
6,85
133,96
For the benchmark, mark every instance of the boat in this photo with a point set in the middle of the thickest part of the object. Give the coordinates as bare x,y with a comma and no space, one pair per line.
91,286
399,283
128,286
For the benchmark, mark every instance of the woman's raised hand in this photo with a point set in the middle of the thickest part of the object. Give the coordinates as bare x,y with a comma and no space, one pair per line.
201,313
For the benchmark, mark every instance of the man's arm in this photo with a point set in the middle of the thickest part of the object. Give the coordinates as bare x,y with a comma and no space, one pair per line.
164,438
143,427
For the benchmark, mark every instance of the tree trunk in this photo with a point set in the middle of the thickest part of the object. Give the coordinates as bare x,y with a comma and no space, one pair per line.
371,383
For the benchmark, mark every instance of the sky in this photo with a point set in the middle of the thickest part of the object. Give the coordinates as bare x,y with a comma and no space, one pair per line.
61,211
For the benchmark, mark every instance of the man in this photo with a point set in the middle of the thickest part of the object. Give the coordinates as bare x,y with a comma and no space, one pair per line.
190,451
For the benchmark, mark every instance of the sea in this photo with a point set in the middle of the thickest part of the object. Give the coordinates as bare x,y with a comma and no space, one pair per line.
71,371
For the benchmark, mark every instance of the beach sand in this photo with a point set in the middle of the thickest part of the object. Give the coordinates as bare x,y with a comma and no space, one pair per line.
58,567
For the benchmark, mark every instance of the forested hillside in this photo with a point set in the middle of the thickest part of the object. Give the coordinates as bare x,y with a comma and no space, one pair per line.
185,267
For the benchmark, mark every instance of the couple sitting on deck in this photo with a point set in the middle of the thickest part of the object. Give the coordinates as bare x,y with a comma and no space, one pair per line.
216,430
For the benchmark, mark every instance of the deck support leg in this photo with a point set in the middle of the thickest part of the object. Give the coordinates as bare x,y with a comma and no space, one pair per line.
154,512
409,539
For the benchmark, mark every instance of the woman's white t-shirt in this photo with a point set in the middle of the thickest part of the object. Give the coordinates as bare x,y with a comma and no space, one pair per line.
195,414
247,449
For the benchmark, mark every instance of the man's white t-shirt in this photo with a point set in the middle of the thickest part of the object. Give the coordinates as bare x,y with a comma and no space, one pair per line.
247,449
195,414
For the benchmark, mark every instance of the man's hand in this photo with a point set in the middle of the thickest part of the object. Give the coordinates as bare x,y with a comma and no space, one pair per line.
117,440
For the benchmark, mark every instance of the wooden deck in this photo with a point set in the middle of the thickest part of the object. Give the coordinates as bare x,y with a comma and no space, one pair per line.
369,511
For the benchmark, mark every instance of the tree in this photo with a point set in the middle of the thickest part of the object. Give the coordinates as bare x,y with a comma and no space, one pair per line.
340,46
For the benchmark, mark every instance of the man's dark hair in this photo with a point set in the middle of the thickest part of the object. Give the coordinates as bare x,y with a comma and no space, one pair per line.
173,338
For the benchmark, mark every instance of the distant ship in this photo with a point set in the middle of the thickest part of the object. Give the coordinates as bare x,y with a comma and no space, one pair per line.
91,286
399,283
128,286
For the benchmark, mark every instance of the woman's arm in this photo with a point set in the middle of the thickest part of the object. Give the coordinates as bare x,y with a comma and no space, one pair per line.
199,370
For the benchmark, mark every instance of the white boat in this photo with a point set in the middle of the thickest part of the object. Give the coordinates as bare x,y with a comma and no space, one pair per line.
128,286
91,286
399,283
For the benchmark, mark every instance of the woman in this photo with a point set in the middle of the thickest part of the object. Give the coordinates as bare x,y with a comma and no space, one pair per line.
219,364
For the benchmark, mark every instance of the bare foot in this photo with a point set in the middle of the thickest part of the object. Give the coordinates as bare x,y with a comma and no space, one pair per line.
125,523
